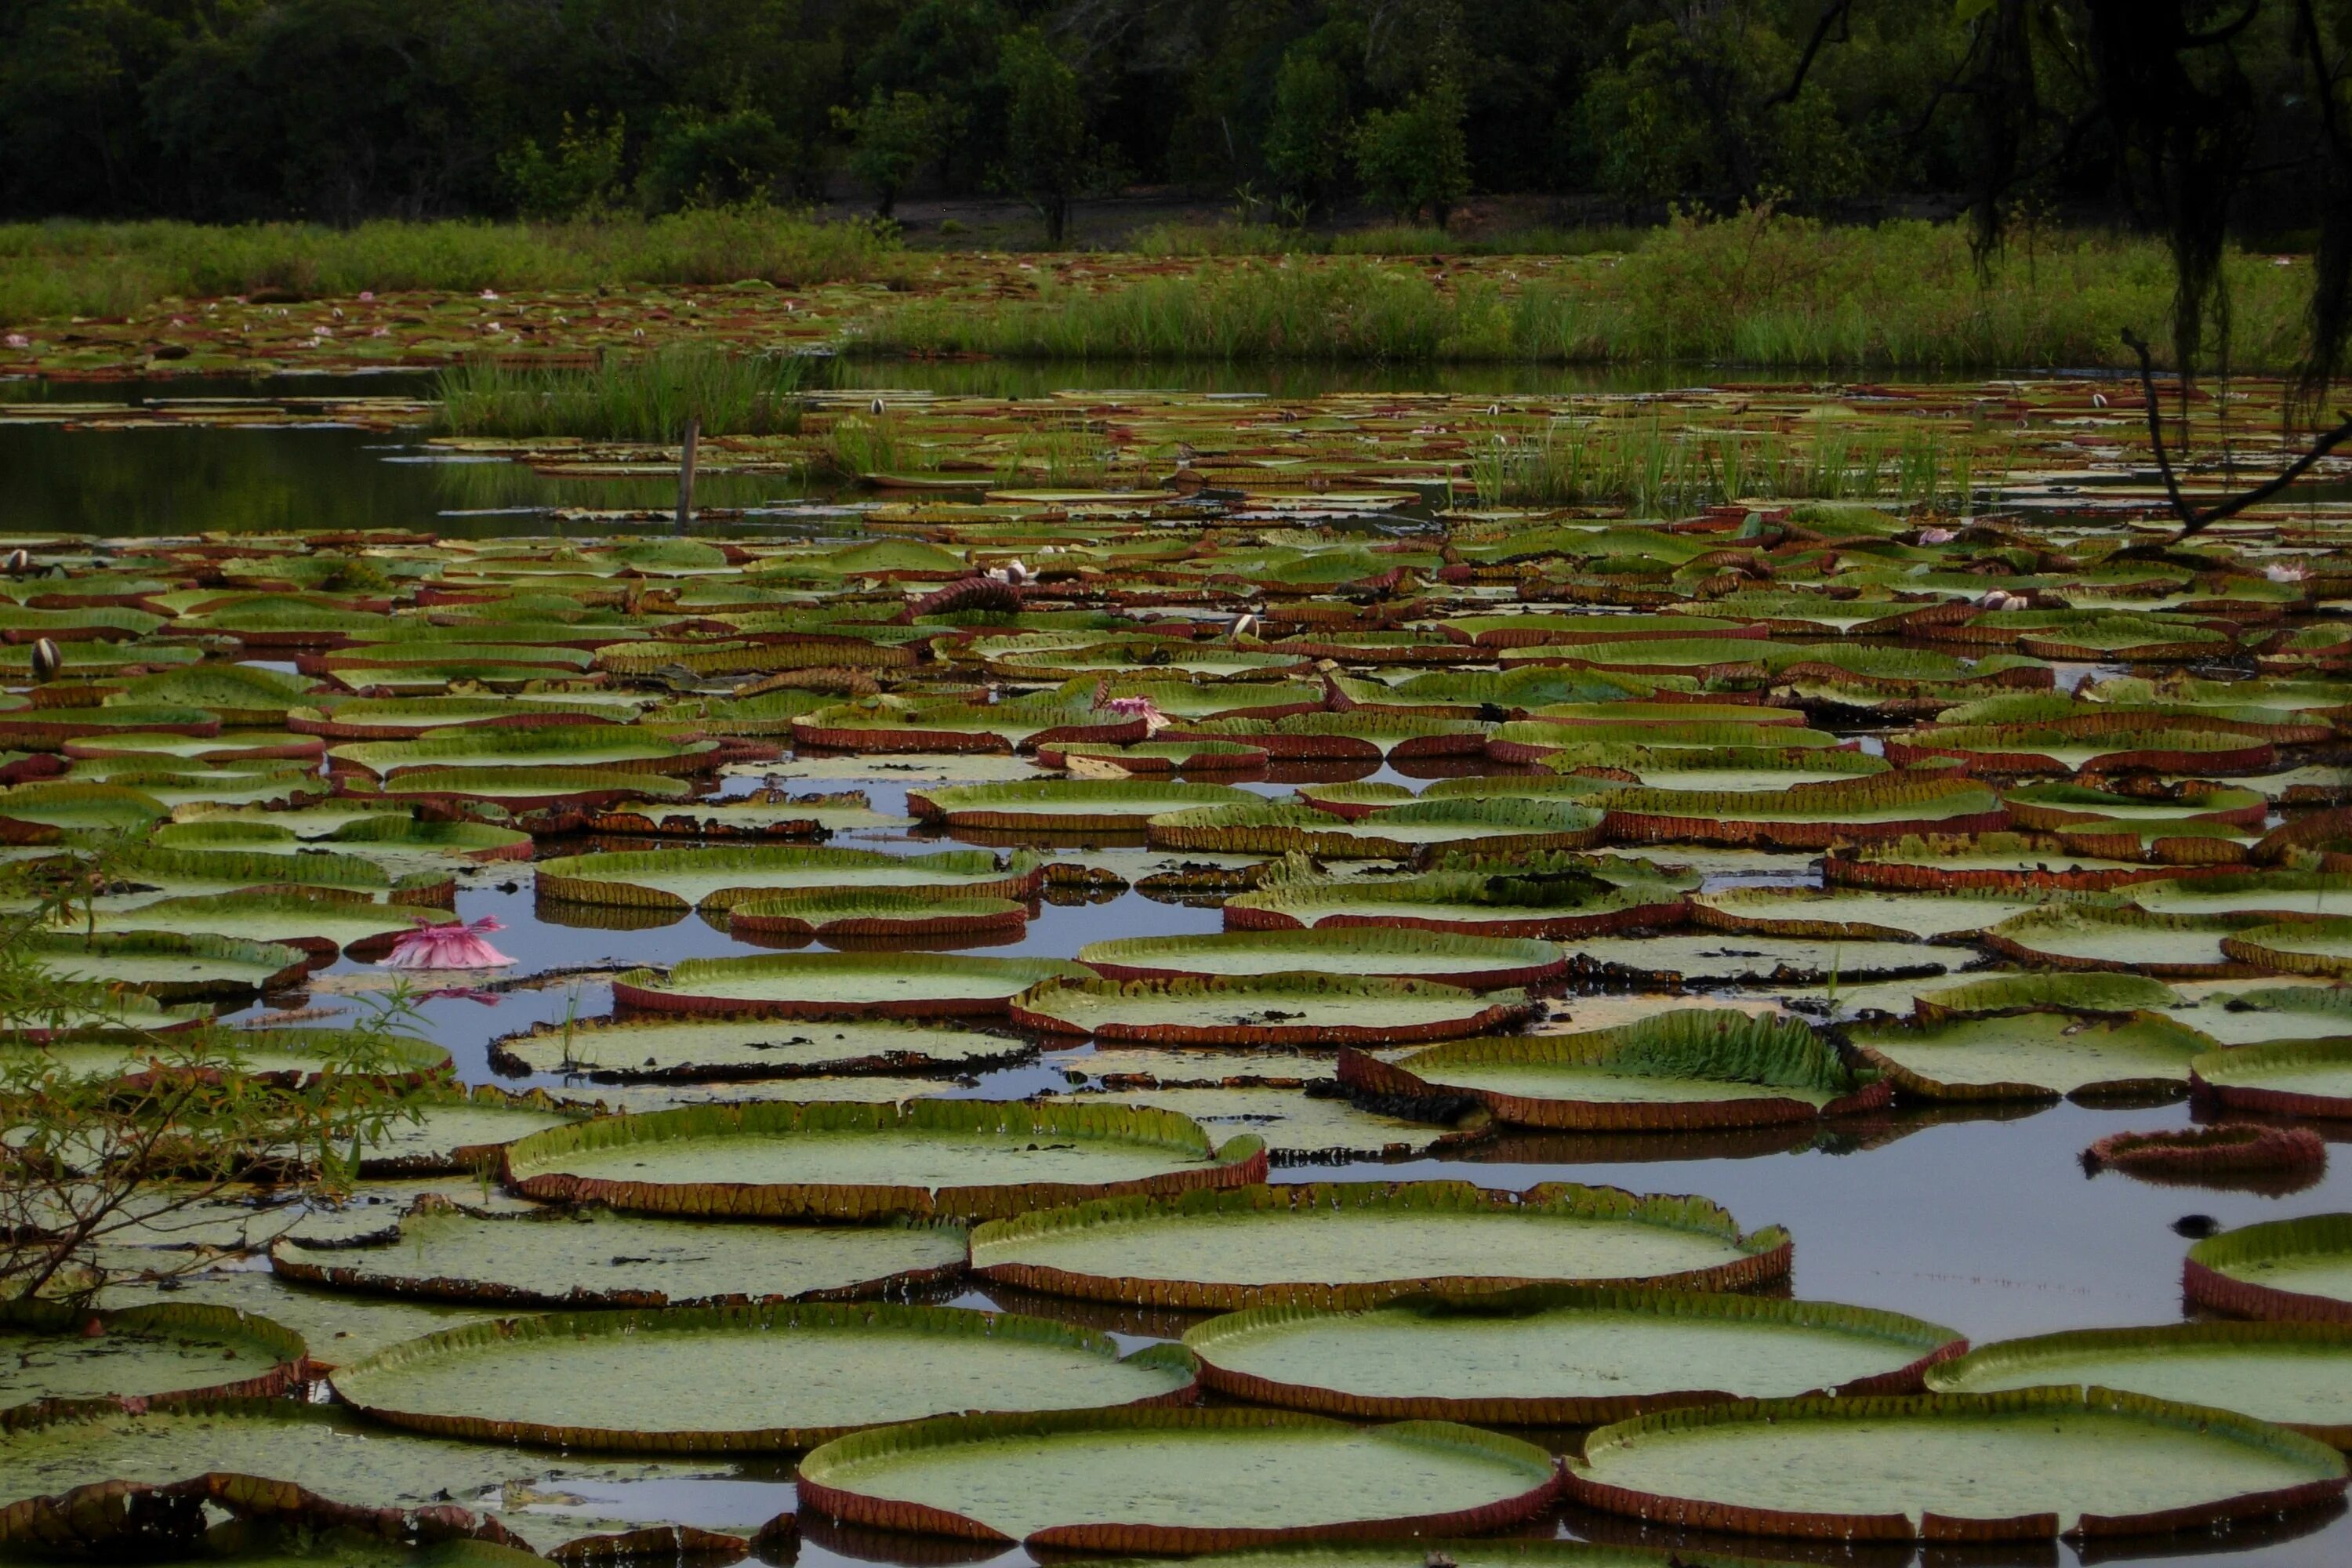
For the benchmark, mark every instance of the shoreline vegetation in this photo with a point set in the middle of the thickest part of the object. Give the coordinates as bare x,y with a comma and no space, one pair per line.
1756,289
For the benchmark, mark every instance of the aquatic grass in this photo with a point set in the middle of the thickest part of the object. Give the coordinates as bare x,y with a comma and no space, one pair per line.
640,397
1756,289
72,268
1654,468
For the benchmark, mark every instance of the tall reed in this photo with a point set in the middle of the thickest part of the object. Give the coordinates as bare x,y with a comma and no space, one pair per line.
641,397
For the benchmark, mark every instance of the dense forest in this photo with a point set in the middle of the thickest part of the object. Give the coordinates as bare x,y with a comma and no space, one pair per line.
338,110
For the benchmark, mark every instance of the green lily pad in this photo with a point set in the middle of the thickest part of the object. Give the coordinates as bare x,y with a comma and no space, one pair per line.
743,1379
1471,960
1561,1356
2036,1055
1289,1008
54,1352
1359,1244
728,1050
1179,1480
838,984
722,876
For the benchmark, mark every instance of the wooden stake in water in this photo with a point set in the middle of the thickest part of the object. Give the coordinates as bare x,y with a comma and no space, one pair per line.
685,476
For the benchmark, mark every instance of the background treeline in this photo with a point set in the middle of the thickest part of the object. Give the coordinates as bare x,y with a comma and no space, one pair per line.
335,111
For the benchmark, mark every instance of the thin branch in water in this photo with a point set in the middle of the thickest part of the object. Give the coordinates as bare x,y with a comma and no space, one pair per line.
2193,521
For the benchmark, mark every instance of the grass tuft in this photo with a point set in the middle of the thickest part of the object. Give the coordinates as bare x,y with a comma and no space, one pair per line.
646,397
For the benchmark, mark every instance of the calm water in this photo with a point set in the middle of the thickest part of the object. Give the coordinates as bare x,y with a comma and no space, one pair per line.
1986,1224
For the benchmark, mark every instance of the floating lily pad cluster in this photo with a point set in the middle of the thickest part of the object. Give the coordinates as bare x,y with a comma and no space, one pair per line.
1456,824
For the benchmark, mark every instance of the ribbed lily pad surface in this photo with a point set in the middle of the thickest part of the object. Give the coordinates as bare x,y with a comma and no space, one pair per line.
1545,1355
593,1258
1689,1067
2297,1375
833,1159
743,1379
2291,1269
1176,1480
2015,1466
1360,1243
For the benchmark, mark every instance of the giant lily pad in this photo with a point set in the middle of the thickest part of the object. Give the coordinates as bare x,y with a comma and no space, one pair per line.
1561,1356
1477,962
2080,936
1163,1481
1500,827
1068,805
2018,1466
1358,1244
838,984
727,875
167,966
2291,1269
723,1049
1273,1009
2296,1374
743,1379
783,1160
50,1351
1808,817
589,1257
2283,1078
2036,1055
1560,902
1859,913
1694,1068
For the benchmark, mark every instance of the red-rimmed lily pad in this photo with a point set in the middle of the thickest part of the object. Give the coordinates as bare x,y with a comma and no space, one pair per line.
1480,963
1176,1481
2021,1466
1290,1008
839,985
2296,1269
2035,1056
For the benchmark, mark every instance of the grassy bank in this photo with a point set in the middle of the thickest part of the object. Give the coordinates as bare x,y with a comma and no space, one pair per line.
644,397
1768,291
59,270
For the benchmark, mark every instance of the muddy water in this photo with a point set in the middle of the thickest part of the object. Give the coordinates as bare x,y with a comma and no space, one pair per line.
1986,1223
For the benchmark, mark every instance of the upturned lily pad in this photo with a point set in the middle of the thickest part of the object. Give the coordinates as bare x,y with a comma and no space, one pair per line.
2019,1466
743,1379
526,788
2080,936
1694,1068
320,922
51,1350
2110,993
2036,1055
2295,947
1858,913
1176,1481
832,1161
604,747
457,1134
1359,1244
2264,1013
2283,1078
1297,1125
839,985
1274,827
2296,1374
1276,1009
1807,816
167,966
727,1049
722,876
590,1257
2298,1269
1729,957
1477,962
1562,1354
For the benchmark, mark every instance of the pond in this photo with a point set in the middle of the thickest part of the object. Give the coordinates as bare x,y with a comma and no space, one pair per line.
1975,1215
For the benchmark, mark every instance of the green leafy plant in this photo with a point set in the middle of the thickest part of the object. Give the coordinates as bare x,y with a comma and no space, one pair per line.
892,137
1415,159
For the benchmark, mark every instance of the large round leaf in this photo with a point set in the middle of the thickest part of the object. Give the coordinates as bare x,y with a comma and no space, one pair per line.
2292,1269
1276,1009
832,1160
2035,1056
51,1350
1356,1244
590,1257
1564,1355
838,984
723,1049
1187,1481
727,875
743,1379
1473,960
2297,1375
2019,1465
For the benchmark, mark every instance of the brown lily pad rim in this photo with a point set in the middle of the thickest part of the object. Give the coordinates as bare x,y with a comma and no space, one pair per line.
531,1163
2005,1355
886,1064
819,1495
1035,1008
2233,1079
1513,960
194,1320
1767,1254
650,991
314,1268
1749,1520
2208,1279
1911,1081
2187,1154
1933,1342
877,1318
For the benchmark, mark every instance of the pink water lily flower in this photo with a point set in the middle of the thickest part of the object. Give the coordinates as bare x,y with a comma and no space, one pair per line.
1142,708
449,946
